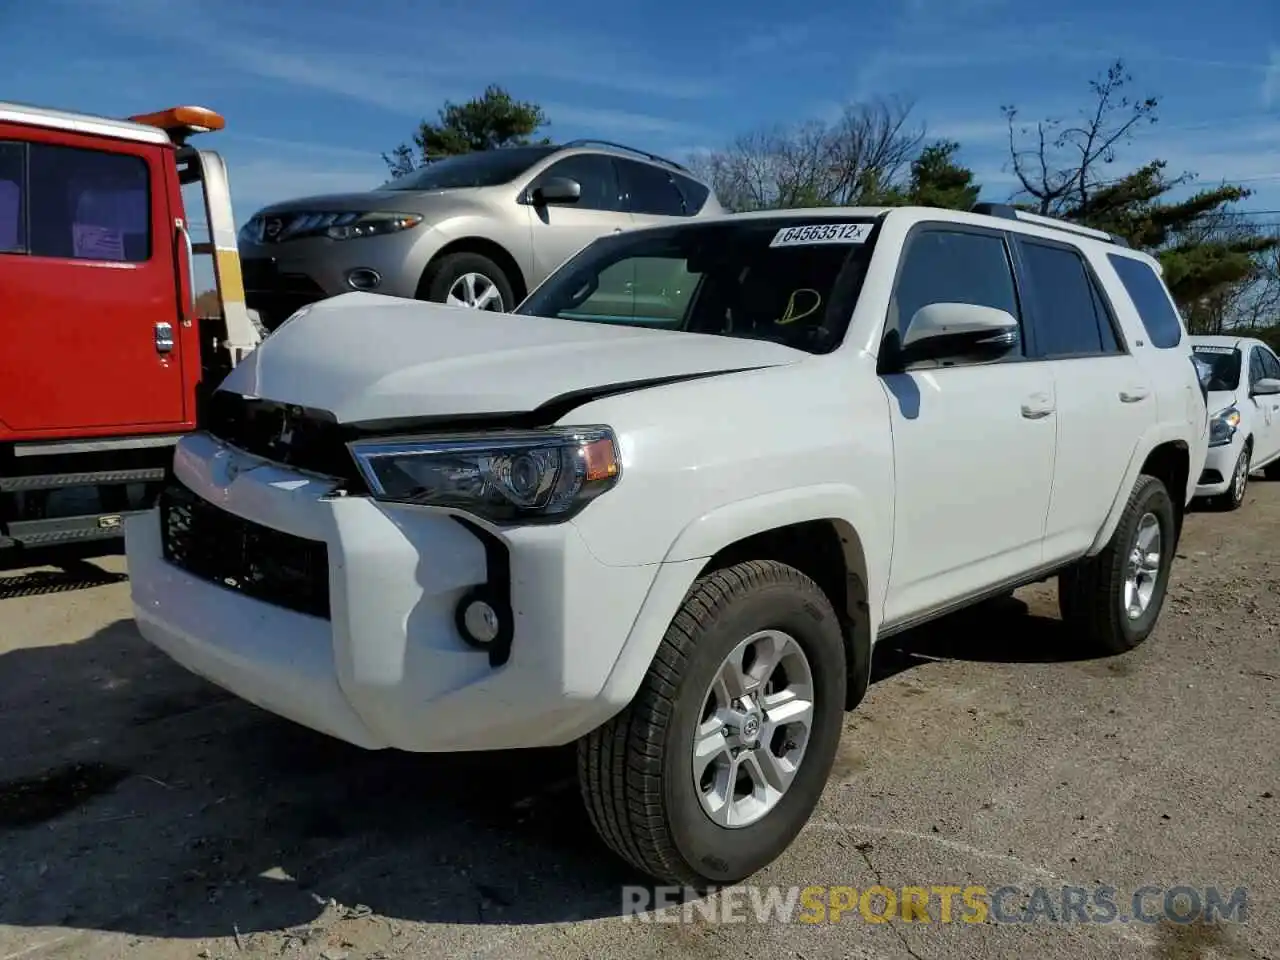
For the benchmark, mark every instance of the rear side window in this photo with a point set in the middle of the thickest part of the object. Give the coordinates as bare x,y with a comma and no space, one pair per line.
13,169
88,204
651,189
1071,320
1149,296
695,193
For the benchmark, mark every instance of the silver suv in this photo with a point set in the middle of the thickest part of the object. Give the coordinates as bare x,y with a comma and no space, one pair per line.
479,230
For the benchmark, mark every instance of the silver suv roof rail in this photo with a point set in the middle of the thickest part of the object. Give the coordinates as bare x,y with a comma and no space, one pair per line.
590,142
1009,212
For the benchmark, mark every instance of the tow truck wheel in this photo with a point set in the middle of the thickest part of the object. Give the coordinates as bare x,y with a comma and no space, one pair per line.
720,759
468,280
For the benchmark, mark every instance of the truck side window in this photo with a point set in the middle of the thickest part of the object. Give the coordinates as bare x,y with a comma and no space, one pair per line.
13,168
89,204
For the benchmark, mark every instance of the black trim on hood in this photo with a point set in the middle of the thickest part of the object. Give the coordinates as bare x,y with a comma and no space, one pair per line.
312,439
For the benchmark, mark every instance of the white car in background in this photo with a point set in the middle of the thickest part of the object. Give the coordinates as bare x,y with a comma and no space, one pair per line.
1244,407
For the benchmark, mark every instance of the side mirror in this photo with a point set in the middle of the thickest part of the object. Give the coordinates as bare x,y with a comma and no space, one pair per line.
1266,387
946,331
557,190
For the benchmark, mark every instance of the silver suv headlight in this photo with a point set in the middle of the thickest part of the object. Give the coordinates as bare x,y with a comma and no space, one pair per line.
1223,425
505,477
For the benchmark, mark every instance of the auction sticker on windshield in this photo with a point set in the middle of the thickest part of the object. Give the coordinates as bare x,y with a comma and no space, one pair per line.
814,233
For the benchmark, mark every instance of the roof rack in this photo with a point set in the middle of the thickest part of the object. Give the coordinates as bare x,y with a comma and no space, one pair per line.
1009,212
588,141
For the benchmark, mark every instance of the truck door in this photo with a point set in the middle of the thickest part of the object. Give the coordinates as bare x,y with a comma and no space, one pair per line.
89,297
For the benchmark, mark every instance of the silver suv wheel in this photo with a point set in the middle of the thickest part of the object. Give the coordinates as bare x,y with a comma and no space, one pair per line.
476,291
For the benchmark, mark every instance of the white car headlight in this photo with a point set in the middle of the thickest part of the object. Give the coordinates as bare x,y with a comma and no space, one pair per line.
1222,426
513,476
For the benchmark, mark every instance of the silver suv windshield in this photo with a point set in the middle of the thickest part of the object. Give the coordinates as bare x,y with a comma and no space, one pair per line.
484,168
790,280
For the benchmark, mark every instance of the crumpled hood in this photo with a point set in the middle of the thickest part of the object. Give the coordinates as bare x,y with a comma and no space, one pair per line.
365,357
1219,400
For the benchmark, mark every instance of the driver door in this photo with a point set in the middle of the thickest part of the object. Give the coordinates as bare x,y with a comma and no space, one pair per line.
559,230
973,443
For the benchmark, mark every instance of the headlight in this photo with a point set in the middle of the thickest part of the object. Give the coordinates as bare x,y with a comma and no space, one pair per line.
349,226
1223,426
530,476
251,232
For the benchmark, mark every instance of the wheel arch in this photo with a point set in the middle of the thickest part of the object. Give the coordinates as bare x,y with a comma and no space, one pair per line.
485,248
830,533
1166,457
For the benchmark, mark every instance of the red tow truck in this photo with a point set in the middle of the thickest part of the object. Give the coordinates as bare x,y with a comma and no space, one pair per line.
104,360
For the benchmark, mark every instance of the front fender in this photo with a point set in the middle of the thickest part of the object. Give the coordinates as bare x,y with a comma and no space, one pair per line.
866,527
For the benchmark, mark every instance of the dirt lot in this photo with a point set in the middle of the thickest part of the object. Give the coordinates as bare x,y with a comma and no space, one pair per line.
145,814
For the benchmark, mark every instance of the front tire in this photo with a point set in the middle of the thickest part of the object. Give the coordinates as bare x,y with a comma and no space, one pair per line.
1233,498
1113,600
467,280
710,772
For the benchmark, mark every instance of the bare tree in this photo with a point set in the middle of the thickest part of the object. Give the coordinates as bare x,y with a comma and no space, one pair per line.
853,160
1060,164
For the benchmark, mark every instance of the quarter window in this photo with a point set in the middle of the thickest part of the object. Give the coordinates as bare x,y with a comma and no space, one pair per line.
1151,299
695,193
651,190
595,174
945,266
1070,317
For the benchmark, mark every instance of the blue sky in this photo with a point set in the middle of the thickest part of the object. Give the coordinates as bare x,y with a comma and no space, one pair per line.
313,91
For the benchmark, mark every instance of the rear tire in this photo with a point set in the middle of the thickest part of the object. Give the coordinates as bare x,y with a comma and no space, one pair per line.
467,280
1112,600
637,772
1272,471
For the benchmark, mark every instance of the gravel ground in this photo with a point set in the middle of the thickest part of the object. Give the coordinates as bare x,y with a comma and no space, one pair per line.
146,814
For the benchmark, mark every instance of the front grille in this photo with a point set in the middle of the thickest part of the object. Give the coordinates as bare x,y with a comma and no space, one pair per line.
310,440
275,294
246,557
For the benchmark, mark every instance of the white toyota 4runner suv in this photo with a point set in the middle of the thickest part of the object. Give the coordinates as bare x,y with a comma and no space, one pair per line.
671,523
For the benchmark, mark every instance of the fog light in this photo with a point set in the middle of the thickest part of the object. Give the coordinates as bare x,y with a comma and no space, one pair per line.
479,621
362,278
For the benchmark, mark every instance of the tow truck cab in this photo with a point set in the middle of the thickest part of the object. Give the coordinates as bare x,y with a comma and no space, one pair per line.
104,360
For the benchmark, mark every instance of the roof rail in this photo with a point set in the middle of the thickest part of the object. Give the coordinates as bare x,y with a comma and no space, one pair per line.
1009,212
589,141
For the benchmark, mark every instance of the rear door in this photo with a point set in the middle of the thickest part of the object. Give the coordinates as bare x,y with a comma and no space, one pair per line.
559,230
88,287
1105,399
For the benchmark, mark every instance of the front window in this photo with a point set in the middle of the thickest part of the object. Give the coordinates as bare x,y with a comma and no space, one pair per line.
483,168
791,280
1223,366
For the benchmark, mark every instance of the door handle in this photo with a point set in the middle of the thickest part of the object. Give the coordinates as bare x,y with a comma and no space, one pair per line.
164,337
617,229
1134,394
1037,406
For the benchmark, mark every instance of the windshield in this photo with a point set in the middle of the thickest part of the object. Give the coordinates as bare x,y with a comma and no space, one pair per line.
1223,364
791,280
484,168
